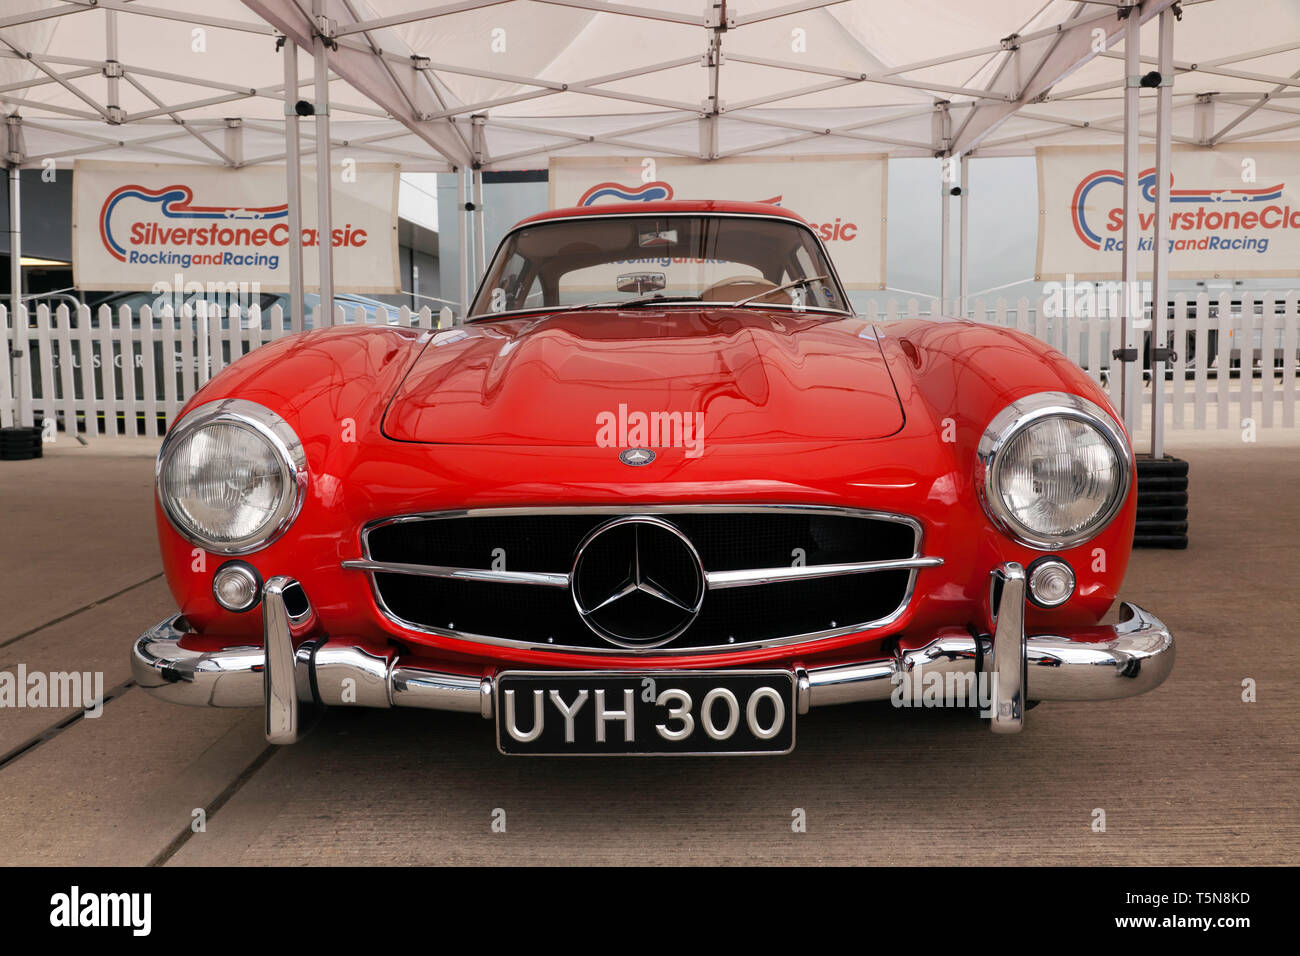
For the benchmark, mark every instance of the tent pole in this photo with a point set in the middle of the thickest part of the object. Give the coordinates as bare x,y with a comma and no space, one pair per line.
293,185
480,252
1131,300
1160,270
945,236
478,146
462,221
963,285
324,178
19,363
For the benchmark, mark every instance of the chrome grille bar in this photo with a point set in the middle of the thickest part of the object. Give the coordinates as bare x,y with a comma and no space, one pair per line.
462,574
715,580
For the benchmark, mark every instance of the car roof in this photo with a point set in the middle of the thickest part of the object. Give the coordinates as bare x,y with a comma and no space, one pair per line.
667,207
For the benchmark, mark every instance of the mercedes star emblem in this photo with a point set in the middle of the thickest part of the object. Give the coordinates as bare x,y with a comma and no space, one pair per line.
636,456
638,582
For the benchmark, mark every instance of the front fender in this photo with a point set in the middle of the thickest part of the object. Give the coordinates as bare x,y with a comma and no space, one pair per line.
955,376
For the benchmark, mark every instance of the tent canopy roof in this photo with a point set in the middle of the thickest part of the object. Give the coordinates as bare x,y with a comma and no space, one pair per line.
200,80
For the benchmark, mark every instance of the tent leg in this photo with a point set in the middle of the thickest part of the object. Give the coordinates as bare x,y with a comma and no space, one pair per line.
1160,264
19,363
463,237
1130,354
963,275
480,252
324,178
293,185
945,236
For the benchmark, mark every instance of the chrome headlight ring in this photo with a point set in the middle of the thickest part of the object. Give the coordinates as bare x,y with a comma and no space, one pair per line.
284,445
1011,422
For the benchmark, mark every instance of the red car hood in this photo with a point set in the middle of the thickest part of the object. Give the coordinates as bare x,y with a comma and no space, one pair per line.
754,376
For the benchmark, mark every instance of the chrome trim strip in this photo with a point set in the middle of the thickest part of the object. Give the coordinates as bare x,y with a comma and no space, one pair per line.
368,672
633,510
461,574
715,580
1013,419
719,580
420,687
284,443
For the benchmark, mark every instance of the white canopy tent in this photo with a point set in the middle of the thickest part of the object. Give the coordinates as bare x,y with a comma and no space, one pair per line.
469,85
134,81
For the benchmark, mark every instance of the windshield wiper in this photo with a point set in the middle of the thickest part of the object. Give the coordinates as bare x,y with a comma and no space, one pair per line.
586,305
806,280
641,300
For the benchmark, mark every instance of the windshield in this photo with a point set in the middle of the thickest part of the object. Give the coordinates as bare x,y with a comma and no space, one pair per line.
622,260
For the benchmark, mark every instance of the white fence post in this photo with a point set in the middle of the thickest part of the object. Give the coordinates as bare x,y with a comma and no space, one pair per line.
1267,324
67,385
45,356
1290,333
1223,360
126,334
171,399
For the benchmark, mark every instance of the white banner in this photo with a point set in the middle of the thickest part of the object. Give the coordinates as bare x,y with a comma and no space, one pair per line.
136,225
1234,211
842,197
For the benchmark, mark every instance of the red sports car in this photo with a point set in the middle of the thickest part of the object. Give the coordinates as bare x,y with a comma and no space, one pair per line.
661,492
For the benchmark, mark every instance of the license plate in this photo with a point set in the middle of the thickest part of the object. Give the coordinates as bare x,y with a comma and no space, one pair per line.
667,713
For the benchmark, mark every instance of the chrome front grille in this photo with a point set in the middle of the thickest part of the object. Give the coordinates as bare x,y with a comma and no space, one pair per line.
655,579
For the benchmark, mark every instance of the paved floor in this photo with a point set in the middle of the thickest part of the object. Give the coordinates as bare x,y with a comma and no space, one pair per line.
1187,775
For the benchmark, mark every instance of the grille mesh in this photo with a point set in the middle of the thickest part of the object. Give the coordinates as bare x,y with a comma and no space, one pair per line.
725,541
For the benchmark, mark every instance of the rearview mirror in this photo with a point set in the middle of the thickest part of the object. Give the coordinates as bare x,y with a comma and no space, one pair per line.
641,282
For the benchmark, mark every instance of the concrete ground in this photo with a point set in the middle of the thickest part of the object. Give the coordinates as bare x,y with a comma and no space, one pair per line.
1189,774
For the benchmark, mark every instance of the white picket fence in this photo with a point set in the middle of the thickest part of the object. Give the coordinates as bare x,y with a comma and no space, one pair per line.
1207,376
120,373
123,373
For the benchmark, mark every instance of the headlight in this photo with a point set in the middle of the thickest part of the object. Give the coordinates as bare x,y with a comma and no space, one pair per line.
1053,469
231,476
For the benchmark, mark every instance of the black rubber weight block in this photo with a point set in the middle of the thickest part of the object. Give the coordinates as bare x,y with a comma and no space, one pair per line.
1161,499
1160,527
1174,542
1161,467
1161,483
1170,513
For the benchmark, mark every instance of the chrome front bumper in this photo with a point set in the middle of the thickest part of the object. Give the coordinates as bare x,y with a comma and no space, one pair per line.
1099,663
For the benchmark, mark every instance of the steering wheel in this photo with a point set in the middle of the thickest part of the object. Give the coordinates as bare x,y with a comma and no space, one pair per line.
735,288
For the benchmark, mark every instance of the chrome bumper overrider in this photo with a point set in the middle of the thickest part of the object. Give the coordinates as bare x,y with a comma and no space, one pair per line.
1099,663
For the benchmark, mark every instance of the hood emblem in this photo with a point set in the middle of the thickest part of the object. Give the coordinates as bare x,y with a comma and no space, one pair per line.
636,456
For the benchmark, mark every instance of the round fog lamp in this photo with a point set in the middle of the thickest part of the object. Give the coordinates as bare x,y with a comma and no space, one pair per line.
236,586
1051,582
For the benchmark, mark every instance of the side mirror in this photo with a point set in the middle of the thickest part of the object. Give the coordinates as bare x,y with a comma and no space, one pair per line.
641,282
